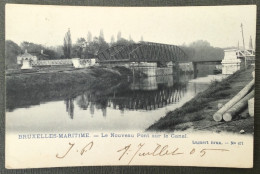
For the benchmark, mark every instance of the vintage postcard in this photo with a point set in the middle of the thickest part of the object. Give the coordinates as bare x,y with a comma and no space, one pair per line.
161,86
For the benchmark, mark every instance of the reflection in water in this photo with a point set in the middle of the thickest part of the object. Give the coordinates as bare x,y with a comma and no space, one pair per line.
92,101
143,94
128,106
70,107
205,69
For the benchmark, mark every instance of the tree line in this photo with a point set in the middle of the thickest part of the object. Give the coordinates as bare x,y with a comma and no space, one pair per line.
202,50
84,48
89,47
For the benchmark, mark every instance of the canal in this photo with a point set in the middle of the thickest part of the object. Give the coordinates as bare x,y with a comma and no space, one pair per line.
132,106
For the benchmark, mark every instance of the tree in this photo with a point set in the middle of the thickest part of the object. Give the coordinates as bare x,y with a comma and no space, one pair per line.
67,45
97,46
123,41
130,39
201,50
112,40
79,48
119,36
142,39
25,45
59,50
51,53
200,44
31,47
89,37
101,36
80,41
12,50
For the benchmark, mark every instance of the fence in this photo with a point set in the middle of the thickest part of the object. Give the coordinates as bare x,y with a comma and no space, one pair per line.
51,62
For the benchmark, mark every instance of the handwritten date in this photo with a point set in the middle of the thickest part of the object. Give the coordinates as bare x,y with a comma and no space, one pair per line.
159,150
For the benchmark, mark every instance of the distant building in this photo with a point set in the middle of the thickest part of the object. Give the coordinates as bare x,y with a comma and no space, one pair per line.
32,56
25,57
39,59
40,55
235,60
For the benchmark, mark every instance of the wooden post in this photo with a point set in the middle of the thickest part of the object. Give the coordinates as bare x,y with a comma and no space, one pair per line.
219,114
238,107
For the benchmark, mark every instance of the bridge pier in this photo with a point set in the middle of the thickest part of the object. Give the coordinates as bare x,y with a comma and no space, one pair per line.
209,62
230,63
195,70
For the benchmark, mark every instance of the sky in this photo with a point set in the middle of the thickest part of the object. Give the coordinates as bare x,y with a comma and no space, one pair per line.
47,25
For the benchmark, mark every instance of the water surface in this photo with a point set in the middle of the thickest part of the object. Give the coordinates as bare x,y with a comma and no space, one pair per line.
133,106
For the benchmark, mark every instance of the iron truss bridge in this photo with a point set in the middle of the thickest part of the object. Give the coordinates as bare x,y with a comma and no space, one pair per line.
143,52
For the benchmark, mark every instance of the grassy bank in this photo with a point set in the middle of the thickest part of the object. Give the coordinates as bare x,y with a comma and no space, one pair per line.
67,78
31,89
197,113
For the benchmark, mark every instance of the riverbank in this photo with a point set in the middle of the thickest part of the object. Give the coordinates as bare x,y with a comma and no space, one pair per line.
197,114
24,89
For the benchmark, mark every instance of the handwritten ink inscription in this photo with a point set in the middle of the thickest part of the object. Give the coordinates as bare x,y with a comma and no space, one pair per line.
159,150
130,152
83,150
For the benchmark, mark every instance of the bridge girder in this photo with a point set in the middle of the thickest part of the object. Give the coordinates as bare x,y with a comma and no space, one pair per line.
143,52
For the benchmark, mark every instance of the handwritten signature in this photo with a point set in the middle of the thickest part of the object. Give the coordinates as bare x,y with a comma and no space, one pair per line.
86,148
131,151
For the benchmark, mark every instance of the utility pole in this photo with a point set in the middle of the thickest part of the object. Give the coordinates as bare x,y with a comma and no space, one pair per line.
250,43
243,36
243,45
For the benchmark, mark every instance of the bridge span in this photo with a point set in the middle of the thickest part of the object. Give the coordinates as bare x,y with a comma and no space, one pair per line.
143,52
151,58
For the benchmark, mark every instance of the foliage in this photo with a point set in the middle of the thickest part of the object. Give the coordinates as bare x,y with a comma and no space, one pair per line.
123,41
78,48
83,48
89,37
112,40
101,36
31,47
51,53
12,50
202,50
119,36
91,47
58,51
67,45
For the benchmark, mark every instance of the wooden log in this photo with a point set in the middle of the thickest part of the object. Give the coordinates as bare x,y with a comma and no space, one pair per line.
220,105
238,107
219,114
251,106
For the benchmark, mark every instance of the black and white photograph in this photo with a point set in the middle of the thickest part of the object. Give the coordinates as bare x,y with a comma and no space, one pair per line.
75,72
